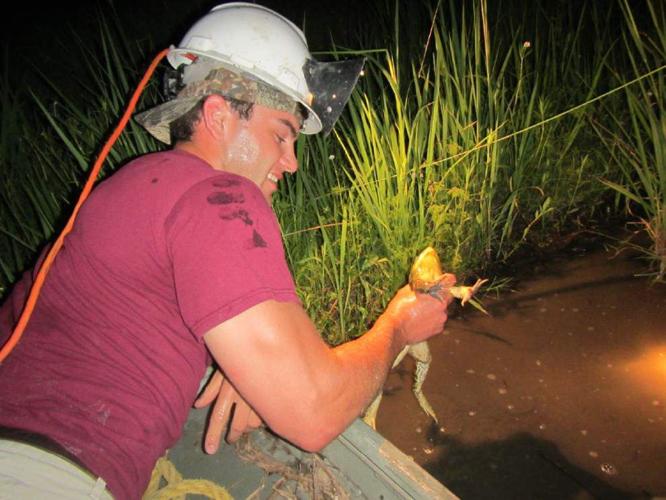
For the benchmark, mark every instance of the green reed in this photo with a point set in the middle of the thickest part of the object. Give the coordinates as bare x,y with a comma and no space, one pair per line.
420,159
33,193
56,144
636,133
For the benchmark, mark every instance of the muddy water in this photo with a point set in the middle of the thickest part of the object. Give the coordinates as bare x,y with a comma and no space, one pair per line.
559,393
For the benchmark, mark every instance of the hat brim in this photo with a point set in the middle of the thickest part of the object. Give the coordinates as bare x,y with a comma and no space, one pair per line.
157,120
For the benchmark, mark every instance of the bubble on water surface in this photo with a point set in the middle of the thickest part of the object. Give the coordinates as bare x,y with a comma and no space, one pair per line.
608,469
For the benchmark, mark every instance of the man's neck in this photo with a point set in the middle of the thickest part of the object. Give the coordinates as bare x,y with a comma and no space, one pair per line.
200,151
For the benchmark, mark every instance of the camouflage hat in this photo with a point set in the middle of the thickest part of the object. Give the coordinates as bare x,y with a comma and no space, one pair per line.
222,81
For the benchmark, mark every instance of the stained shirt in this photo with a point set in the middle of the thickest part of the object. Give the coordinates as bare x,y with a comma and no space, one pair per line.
110,364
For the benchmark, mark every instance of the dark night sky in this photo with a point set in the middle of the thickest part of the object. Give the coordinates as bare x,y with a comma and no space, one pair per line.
38,34
42,34
34,24
30,24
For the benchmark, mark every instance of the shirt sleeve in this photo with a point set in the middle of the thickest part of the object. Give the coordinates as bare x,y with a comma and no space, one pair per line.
226,252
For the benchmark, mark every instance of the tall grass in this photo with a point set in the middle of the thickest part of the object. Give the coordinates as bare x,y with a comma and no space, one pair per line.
636,135
82,122
425,163
33,193
45,156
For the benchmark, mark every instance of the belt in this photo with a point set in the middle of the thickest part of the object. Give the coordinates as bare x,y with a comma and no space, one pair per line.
42,442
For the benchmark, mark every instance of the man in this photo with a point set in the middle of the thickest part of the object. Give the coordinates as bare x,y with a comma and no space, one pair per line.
177,259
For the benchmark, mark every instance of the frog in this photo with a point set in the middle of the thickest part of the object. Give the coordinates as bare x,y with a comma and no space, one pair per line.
426,276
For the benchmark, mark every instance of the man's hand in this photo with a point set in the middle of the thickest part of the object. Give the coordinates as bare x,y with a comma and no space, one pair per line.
418,316
230,413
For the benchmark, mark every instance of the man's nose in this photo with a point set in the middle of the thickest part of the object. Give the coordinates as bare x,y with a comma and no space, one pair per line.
289,161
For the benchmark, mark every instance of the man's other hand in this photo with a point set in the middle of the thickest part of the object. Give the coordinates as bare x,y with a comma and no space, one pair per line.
230,413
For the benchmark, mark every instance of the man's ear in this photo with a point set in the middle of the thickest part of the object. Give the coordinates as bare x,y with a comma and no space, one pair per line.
217,116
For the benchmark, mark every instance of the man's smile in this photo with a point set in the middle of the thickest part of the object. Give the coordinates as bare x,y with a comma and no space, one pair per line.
272,177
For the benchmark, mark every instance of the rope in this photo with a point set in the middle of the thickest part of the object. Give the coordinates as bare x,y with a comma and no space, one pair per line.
177,488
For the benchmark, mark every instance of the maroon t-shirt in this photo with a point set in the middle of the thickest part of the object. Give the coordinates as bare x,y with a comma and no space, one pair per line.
110,364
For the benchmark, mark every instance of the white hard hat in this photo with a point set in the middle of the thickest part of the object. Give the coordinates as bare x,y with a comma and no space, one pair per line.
260,42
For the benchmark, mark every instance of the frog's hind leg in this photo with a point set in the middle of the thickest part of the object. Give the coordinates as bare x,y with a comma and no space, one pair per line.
421,354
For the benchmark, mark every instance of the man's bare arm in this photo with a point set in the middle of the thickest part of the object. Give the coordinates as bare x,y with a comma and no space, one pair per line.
303,389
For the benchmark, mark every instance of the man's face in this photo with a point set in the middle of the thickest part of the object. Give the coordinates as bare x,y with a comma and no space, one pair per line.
261,148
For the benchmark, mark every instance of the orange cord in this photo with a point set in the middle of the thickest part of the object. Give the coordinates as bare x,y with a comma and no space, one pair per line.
31,302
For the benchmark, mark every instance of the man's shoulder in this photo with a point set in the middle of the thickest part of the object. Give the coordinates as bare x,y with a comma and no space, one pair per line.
173,177
191,176
226,204
226,192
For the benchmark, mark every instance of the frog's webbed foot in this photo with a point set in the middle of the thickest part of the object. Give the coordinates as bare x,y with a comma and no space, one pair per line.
465,293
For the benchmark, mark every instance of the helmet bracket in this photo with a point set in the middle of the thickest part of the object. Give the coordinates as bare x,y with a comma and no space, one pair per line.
172,82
